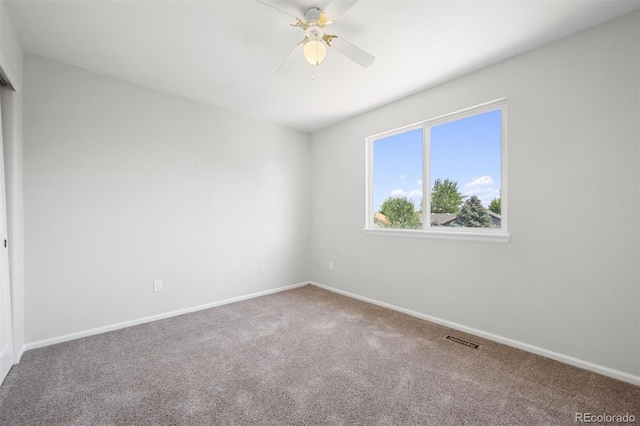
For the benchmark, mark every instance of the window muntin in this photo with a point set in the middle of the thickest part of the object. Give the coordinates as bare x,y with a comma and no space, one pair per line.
463,151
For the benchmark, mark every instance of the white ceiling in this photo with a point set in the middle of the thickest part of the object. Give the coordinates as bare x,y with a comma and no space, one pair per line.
225,53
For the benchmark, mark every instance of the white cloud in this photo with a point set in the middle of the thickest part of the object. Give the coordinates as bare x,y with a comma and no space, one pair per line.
482,181
416,193
419,182
403,176
484,188
398,193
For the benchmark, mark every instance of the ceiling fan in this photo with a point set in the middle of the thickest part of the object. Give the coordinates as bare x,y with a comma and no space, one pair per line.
316,40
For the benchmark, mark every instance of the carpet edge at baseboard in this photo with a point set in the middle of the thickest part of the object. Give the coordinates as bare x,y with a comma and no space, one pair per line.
576,362
600,369
130,323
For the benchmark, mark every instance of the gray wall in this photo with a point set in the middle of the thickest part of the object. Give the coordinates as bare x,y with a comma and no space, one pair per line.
568,281
124,185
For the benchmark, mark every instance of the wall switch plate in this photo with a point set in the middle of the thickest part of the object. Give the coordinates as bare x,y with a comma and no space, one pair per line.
331,266
262,269
317,264
157,285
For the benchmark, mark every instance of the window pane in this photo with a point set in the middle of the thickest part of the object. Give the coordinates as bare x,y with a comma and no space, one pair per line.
397,181
466,172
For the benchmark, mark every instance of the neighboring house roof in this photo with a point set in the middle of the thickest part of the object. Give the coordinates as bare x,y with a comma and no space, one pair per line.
448,219
380,218
442,219
495,218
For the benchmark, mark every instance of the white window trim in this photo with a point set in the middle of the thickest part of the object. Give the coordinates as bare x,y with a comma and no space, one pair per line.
462,234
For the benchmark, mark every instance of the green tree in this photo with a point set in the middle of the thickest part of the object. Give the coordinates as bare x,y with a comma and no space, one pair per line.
472,214
445,197
400,212
495,205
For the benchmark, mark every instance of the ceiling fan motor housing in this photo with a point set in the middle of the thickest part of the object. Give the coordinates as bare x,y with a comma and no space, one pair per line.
314,28
312,15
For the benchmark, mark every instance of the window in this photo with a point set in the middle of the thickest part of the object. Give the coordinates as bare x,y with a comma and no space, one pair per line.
443,177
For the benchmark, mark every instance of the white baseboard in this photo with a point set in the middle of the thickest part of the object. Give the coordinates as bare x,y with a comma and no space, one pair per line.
17,355
605,371
125,324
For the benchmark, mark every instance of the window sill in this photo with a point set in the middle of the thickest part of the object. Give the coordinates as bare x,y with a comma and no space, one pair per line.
467,235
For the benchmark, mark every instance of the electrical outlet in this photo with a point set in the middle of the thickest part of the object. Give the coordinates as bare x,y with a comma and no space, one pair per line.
331,266
262,269
157,285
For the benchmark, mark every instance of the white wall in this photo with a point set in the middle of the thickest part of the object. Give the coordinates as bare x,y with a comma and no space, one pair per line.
568,281
124,185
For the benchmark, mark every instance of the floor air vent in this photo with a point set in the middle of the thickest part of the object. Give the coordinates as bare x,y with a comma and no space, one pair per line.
460,341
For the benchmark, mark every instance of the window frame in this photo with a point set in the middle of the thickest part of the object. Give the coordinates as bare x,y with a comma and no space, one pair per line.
467,234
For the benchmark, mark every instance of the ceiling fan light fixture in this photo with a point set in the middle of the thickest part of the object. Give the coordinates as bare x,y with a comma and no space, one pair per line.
314,52
316,40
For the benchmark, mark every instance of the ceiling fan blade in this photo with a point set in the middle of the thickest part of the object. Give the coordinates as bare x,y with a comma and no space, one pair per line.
282,7
289,64
352,52
337,7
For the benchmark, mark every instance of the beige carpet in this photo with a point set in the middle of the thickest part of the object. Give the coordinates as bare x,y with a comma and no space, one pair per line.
304,356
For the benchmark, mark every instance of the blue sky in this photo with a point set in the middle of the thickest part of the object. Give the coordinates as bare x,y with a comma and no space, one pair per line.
466,151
